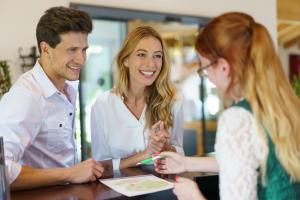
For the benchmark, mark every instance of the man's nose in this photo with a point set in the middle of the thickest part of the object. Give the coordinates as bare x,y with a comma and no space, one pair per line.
80,57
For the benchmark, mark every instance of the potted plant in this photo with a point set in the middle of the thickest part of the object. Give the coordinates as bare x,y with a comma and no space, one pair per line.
5,82
296,85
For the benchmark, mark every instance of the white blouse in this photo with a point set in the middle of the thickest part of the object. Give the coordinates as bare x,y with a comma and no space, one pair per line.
116,133
238,153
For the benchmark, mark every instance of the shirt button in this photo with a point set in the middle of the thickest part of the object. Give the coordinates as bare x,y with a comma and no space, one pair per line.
60,125
70,114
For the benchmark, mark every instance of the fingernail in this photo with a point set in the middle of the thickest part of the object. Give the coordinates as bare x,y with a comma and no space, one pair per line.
176,178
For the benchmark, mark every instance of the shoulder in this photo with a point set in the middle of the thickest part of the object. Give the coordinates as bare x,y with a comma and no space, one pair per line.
25,89
177,104
106,99
235,115
237,130
236,125
24,97
26,82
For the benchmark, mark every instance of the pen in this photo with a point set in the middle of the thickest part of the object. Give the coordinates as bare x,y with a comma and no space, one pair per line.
148,160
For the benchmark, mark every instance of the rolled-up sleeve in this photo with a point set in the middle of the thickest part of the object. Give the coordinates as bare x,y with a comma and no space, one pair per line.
19,124
13,169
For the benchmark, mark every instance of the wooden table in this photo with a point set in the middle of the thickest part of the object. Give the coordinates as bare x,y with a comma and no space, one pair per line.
95,190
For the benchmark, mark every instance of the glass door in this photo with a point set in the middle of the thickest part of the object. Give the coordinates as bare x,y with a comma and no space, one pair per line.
97,75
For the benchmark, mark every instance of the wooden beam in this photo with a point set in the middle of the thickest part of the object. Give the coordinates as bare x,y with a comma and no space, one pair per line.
288,9
286,30
291,42
290,36
281,26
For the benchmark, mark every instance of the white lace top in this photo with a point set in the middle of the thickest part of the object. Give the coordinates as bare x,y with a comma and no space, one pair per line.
238,153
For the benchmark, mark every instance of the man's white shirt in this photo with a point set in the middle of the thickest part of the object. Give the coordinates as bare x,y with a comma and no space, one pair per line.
37,124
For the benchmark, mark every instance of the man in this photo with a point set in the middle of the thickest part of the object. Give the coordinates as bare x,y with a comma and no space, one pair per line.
37,116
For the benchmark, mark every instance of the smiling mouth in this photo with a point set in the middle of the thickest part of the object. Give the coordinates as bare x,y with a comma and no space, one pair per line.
77,69
147,73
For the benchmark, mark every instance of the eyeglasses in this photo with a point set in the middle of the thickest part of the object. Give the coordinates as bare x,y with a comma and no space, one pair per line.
202,70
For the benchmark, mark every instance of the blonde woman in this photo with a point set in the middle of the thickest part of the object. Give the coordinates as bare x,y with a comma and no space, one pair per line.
258,139
140,116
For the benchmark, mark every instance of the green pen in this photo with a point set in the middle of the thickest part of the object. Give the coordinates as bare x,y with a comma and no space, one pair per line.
148,160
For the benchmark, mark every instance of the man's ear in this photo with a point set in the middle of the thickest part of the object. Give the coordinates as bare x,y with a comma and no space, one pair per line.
45,48
224,66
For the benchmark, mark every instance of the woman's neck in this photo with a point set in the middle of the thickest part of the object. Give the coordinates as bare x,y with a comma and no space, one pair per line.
135,102
136,95
236,94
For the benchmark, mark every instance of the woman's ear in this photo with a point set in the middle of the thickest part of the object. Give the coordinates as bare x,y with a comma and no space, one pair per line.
126,64
224,66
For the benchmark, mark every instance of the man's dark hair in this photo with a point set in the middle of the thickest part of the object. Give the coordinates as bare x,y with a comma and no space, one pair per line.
59,20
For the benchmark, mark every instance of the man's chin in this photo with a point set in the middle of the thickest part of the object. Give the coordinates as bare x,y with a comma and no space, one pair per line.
74,78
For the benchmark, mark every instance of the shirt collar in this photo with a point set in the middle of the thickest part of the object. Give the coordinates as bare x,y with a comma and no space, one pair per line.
129,120
46,85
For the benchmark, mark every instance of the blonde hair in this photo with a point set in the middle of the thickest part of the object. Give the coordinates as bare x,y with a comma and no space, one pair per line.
256,69
160,96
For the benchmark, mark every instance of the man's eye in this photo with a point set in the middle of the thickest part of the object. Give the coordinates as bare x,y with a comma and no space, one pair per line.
72,50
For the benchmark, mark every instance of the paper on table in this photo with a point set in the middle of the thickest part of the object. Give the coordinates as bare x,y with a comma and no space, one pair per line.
137,185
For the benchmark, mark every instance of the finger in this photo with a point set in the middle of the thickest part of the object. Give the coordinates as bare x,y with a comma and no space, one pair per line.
161,137
162,167
154,144
156,138
161,161
93,178
157,147
161,126
165,134
157,143
157,164
155,126
154,151
161,171
163,140
97,173
99,167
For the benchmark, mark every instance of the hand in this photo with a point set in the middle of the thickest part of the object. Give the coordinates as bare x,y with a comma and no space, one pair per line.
172,163
85,171
187,189
157,139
